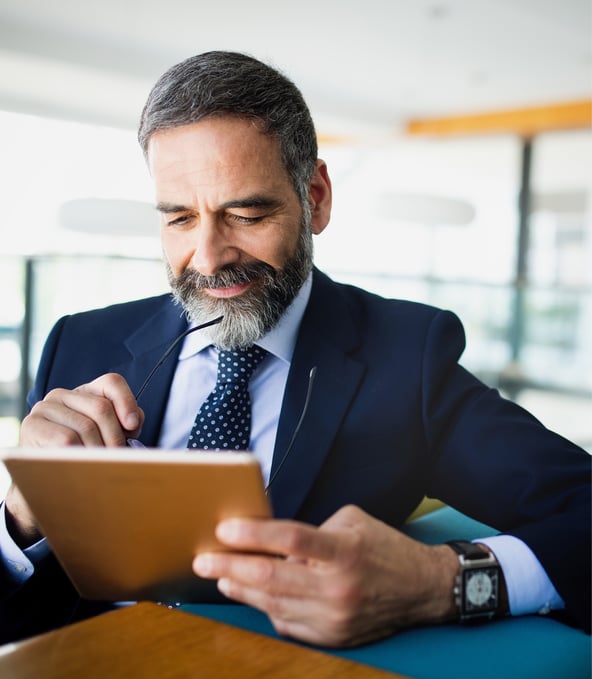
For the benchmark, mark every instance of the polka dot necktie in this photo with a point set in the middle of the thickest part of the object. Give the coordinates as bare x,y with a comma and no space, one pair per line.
224,419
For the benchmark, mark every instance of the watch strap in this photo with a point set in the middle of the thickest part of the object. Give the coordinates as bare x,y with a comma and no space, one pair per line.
469,550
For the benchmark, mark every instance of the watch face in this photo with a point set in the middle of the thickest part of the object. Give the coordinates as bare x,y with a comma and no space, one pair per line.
481,586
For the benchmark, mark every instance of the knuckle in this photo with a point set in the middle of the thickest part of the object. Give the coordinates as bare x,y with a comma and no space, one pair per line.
352,514
52,395
346,595
102,407
64,437
264,573
86,427
294,541
275,608
34,411
114,379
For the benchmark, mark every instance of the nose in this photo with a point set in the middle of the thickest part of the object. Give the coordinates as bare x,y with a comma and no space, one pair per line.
213,248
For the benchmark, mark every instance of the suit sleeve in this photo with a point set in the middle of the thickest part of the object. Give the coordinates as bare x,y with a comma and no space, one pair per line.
497,463
40,386
46,598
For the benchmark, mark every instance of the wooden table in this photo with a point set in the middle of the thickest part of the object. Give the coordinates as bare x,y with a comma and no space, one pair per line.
226,640
148,640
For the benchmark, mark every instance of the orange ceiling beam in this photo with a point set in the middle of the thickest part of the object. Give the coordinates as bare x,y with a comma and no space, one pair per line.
523,121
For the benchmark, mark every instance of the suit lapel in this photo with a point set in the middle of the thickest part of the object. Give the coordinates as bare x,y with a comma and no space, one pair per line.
146,345
327,337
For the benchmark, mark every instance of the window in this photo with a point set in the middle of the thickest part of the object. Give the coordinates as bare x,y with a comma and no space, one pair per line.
424,219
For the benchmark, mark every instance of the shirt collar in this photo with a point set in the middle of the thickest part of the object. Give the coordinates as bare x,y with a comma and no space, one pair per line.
279,341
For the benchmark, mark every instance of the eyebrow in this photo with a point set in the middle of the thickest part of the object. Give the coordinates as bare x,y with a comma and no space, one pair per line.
167,208
255,201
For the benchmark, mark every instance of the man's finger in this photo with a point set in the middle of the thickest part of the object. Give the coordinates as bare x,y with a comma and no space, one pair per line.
284,538
116,390
101,413
272,574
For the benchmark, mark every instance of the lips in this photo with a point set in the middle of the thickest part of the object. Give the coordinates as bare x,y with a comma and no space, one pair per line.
230,291
230,282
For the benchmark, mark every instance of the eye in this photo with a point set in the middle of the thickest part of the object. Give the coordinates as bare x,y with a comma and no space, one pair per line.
182,220
243,219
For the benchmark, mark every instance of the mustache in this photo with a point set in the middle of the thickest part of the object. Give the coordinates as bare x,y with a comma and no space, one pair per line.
231,275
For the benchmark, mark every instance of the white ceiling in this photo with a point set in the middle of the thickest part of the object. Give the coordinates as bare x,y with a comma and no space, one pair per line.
362,65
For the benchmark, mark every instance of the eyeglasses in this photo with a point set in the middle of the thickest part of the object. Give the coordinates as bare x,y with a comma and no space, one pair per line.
166,354
134,443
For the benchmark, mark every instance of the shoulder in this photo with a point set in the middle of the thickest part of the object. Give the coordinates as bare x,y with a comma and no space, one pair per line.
377,313
124,316
122,310
101,332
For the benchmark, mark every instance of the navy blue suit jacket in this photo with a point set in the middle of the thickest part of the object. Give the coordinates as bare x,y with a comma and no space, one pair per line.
393,417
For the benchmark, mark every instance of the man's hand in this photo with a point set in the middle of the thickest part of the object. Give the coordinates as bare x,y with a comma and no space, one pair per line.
101,413
349,581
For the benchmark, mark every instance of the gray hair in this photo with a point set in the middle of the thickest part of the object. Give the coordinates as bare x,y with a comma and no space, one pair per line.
230,83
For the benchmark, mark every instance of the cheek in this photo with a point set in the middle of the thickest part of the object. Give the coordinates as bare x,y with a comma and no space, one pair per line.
274,248
177,252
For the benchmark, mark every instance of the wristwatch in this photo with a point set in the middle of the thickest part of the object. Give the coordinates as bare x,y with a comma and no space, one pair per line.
477,587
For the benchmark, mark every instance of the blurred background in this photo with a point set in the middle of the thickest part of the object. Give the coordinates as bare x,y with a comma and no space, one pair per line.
458,135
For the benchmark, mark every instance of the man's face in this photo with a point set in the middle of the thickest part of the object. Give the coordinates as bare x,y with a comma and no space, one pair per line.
235,239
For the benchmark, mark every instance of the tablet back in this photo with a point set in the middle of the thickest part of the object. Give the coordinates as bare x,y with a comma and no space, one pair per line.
126,524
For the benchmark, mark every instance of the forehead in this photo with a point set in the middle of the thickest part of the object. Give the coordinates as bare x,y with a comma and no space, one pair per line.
224,152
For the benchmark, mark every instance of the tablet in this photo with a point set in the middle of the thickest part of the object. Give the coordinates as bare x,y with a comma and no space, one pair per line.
126,524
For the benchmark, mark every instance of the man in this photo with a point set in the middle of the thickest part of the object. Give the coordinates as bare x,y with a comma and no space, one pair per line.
392,417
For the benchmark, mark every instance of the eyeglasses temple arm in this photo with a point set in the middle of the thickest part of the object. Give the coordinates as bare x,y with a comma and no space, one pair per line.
173,345
311,379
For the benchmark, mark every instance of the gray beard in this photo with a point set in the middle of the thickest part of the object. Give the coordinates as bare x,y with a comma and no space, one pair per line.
251,315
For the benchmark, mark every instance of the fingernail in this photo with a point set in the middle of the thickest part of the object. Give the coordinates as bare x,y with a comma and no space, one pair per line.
132,421
224,586
228,530
202,565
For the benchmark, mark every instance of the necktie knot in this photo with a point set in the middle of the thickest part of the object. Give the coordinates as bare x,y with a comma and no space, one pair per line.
237,366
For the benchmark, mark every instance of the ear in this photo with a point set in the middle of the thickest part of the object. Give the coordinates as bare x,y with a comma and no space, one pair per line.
320,197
